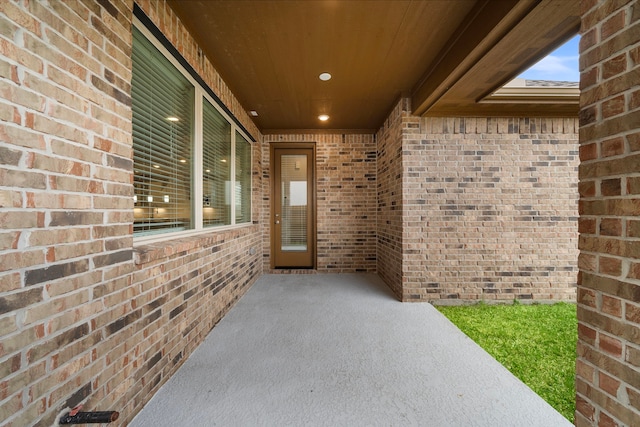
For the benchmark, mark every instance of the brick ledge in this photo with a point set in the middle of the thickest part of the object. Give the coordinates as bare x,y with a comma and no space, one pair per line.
145,253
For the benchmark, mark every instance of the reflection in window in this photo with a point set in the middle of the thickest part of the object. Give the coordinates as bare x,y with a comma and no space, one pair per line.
165,140
216,171
298,193
243,179
162,140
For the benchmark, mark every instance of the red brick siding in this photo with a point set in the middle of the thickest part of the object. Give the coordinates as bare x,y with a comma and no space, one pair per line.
478,208
182,289
607,382
390,208
491,209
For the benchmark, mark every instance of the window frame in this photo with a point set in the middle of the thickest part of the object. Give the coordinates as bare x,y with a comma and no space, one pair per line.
200,95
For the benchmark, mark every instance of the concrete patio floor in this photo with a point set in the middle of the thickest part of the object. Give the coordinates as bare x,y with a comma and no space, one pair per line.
340,350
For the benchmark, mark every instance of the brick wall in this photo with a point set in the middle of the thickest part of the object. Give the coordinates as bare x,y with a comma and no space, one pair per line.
608,365
491,209
86,315
346,200
389,223
488,208
181,289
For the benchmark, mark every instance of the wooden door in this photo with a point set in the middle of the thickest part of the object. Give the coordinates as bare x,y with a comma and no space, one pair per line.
293,209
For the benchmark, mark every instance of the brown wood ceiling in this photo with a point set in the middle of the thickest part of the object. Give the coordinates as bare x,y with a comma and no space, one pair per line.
444,54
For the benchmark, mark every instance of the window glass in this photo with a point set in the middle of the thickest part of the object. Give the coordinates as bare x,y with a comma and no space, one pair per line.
168,167
216,166
162,107
243,179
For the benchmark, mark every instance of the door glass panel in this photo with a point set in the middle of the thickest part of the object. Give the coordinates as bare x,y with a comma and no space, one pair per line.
293,203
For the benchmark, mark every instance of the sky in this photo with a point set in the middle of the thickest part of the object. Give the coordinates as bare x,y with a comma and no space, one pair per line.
559,65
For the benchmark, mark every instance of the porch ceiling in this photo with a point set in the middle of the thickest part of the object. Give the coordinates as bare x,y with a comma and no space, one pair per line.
444,54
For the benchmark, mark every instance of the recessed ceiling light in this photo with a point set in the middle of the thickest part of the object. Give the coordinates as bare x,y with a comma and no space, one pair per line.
323,117
156,166
183,160
254,113
173,119
325,76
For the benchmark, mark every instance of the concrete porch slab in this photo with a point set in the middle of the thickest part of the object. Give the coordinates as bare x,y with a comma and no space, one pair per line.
340,350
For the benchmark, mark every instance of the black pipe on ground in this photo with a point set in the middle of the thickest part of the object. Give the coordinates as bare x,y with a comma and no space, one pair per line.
95,417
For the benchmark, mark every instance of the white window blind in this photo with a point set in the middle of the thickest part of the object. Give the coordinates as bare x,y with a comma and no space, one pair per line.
243,179
162,104
216,166
186,147
293,178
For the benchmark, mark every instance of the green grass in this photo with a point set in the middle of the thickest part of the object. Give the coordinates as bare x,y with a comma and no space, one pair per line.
537,343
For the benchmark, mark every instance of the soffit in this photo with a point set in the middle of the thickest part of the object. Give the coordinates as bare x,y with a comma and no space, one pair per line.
546,27
270,53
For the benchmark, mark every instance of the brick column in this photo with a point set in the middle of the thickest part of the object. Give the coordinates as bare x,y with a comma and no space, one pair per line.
608,365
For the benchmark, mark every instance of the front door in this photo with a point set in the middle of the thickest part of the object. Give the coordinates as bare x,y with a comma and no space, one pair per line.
293,209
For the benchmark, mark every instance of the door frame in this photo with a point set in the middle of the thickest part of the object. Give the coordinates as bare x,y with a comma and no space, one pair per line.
272,234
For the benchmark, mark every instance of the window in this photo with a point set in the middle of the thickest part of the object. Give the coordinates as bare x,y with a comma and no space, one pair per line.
188,153
243,179
162,136
216,165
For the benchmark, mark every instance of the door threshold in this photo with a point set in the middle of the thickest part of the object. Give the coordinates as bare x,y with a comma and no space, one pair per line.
293,271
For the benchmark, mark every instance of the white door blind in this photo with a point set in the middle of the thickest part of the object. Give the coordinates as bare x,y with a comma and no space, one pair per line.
294,206
162,104
216,166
